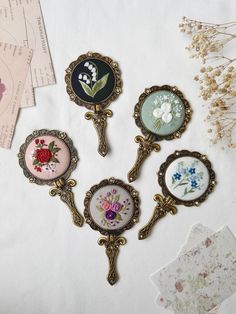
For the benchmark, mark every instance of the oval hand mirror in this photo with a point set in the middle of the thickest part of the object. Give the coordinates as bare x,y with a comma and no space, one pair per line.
93,81
186,178
49,157
111,207
162,113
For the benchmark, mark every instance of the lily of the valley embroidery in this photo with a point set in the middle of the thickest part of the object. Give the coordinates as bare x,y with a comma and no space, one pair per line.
89,79
94,81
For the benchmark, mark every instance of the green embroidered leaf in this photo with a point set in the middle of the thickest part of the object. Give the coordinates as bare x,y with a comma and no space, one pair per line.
183,183
56,149
100,84
51,145
54,159
116,198
118,217
185,191
35,162
99,208
87,89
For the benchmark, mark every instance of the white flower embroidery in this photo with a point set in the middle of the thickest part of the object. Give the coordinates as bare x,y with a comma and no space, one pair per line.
164,112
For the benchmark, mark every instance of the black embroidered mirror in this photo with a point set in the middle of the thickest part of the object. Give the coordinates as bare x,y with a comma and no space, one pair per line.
186,178
111,207
94,81
49,157
162,113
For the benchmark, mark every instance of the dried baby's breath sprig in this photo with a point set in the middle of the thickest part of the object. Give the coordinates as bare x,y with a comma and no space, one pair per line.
217,78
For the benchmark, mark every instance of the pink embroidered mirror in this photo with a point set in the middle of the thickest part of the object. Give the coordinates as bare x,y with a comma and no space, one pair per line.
48,158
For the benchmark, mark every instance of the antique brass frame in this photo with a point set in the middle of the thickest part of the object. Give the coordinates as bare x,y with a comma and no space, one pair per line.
98,114
147,144
113,240
61,186
166,204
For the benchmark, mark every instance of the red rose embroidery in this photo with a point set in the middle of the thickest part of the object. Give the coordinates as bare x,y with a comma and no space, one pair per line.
43,155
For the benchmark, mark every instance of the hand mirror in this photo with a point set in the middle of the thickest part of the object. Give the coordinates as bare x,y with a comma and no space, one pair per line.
162,113
93,81
49,157
186,178
111,207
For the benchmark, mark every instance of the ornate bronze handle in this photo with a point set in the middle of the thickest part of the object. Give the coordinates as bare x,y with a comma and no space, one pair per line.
99,118
164,206
63,189
146,146
112,244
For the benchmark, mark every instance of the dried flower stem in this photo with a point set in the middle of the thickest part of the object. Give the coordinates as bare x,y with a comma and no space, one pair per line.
217,78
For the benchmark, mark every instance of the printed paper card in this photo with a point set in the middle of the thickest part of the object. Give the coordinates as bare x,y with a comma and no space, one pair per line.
14,66
41,65
200,279
13,31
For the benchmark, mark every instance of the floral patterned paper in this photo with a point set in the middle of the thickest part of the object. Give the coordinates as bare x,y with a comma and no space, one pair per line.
202,278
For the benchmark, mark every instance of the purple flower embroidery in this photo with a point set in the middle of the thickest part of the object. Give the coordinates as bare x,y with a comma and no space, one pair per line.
110,215
2,89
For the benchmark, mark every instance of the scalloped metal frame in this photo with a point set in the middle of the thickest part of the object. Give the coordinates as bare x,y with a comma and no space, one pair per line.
133,193
74,158
117,73
184,153
138,109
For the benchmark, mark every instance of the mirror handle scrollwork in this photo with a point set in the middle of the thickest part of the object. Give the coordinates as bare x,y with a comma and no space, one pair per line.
112,244
164,206
146,146
99,118
63,188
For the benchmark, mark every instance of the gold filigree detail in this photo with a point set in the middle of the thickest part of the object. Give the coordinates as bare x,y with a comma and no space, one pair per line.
112,244
99,118
146,146
63,188
164,206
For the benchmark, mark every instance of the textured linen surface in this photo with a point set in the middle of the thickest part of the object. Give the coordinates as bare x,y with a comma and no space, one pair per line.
49,266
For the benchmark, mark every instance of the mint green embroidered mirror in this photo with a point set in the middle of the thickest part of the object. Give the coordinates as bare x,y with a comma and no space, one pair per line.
93,81
161,113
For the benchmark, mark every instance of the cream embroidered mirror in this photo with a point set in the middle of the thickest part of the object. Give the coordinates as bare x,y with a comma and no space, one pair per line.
49,157
111,207
186,178
162,113
94,81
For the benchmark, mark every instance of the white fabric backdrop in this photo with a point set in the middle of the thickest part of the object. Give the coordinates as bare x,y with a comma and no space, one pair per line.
47,265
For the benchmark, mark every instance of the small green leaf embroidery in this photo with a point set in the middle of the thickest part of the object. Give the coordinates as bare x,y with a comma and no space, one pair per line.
35,162
51,145
87,89
185,191
56,149
116,198
118,217
54,159
99,208
100,84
